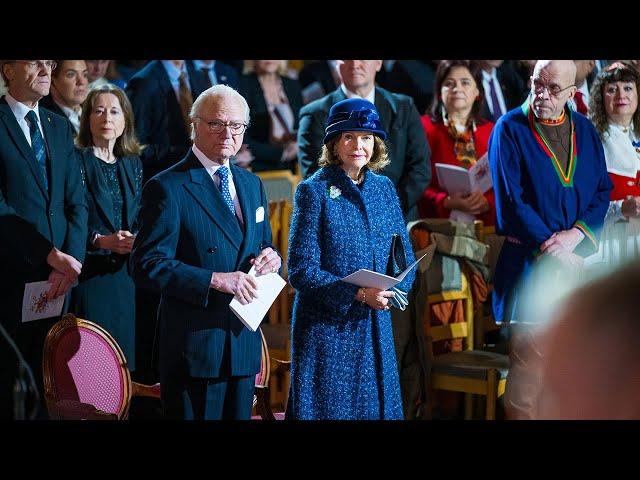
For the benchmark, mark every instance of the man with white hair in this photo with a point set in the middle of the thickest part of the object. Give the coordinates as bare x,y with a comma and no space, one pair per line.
551,188
204,222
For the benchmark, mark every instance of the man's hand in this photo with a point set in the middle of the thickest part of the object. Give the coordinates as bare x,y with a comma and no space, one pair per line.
631,207
240,284
268,261
566,240
119,242
65,264
60,284
290,152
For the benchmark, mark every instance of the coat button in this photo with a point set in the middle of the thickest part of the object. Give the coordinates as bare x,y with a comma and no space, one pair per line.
51,213
211,249
631,183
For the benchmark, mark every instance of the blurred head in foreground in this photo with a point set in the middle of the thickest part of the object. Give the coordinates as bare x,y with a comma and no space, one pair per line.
591,360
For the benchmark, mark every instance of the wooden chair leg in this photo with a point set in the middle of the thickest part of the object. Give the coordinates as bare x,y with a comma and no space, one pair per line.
492,390
468,406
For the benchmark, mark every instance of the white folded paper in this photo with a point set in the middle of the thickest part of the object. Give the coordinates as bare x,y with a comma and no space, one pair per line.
369,279
456,179
251,314
35,304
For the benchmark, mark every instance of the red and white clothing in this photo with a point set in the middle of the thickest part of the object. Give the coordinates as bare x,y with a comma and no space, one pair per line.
620,238
442,144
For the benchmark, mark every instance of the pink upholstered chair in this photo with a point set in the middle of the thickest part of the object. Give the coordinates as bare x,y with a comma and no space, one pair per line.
261,398
86,375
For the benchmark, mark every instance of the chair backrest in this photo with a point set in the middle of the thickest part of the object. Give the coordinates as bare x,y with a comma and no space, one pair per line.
262,377
83,363
457,330
279,184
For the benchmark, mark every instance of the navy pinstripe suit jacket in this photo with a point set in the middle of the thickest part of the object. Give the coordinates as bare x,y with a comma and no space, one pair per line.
187,233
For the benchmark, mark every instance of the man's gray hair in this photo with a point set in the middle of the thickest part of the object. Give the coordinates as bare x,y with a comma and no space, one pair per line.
215,92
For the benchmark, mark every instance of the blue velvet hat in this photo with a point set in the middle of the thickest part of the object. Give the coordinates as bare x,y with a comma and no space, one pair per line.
353,115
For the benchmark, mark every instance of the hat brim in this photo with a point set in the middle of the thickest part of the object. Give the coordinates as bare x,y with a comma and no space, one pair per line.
379,133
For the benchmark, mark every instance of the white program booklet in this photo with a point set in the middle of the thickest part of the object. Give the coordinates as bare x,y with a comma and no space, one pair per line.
35,304
251,314
456,179
369,279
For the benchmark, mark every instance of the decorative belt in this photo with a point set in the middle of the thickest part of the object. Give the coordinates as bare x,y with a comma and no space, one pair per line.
514,240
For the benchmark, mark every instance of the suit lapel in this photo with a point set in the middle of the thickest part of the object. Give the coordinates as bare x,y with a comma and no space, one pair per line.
248,210
125,166
16,134
98,188
384,109
55,152
208,196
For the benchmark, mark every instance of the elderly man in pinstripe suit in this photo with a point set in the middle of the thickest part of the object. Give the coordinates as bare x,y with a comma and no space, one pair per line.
204,222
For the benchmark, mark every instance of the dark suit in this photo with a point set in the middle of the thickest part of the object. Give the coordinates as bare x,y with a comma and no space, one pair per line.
514,89
34,219
106,293
267,155
318,71
225,75
48,103
187,233
410,168
159,122
411,77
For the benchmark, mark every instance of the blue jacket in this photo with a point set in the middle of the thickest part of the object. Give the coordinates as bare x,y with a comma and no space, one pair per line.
343,356
187,233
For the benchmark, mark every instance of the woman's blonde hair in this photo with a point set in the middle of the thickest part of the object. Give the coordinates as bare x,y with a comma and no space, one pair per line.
250,66
379,158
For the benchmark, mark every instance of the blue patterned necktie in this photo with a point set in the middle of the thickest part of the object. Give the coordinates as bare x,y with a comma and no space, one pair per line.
495,103
223,174
37,143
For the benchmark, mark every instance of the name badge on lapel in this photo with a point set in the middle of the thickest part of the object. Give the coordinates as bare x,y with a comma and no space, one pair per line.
260,215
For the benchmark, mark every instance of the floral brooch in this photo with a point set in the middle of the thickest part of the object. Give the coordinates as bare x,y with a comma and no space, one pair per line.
334,192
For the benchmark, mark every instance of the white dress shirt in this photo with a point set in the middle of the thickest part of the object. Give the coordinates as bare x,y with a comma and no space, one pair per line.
371,96
486,83
20,111
211,167
72,115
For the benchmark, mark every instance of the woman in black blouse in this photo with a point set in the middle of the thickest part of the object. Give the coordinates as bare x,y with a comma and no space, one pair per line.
275,101
113,178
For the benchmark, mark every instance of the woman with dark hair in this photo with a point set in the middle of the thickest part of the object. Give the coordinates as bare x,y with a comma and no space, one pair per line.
113,179
458,136
613,109
345,217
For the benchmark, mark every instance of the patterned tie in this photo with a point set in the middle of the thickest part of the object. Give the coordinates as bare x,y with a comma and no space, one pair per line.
495,103
185,99
223,174
581,106
37,143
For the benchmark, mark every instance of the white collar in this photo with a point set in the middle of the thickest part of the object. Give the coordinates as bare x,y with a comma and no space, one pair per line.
19,109
208,164
621,156
371,96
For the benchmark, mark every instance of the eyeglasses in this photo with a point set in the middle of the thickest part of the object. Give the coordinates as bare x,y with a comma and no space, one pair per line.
38,64
554,90
216,126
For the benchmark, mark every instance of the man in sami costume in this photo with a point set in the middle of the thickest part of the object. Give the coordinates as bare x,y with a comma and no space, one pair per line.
552,192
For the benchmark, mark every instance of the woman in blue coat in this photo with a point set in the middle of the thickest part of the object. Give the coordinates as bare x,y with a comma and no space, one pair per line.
113,177
343,357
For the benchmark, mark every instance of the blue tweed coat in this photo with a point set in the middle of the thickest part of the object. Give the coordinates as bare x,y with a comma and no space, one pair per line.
343,356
